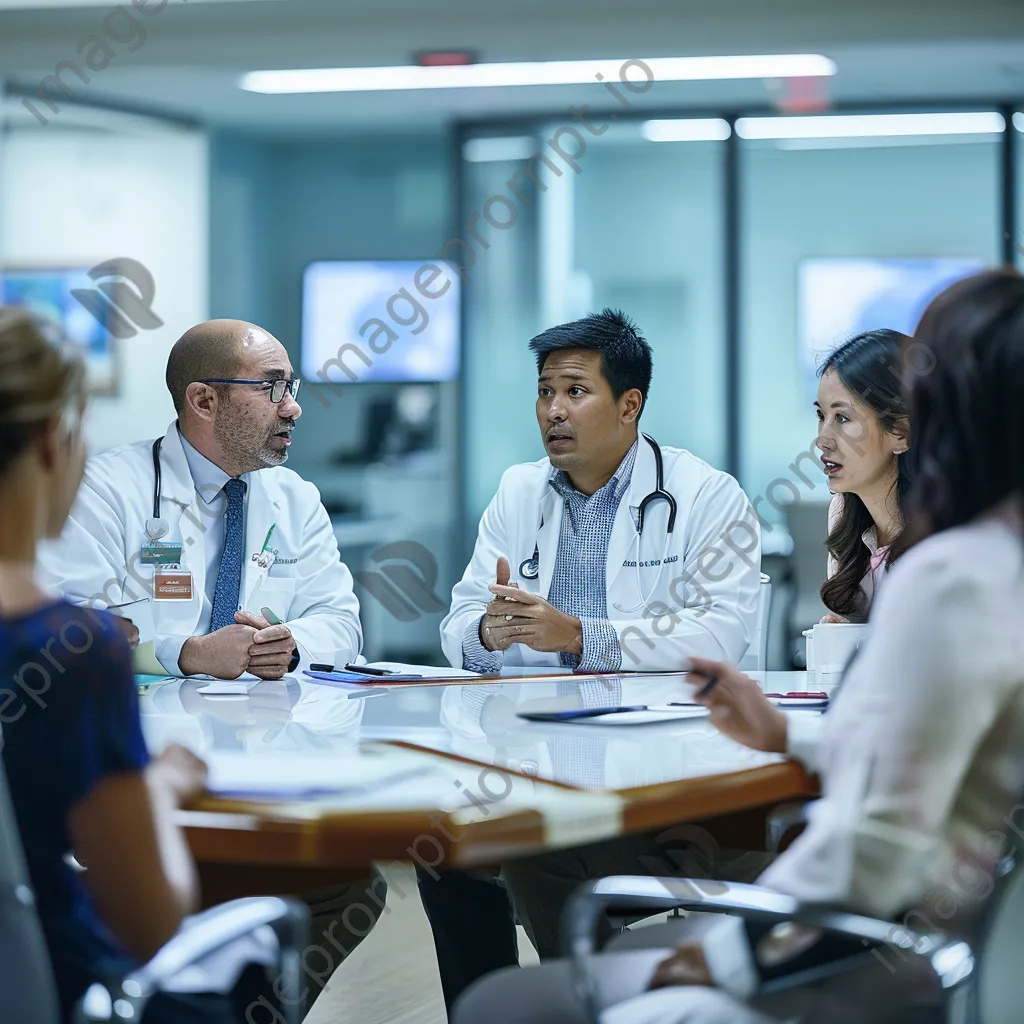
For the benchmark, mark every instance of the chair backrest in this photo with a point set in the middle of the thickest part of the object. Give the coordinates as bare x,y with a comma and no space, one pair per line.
756,658
998,980
27,991
808,526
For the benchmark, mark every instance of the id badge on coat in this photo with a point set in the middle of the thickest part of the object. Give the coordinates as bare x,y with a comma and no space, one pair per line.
172,585
161,553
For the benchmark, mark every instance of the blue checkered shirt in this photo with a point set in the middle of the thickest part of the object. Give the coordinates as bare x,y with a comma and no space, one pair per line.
578,582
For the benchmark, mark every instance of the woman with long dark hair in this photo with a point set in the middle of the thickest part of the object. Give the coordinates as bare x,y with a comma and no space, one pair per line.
863,437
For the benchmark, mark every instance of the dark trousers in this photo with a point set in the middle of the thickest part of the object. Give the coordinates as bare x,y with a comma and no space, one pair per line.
474,931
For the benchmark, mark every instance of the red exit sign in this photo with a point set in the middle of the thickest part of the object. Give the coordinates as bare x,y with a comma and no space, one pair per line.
445,58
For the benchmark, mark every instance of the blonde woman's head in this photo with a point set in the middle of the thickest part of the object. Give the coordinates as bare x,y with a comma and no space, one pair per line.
42,398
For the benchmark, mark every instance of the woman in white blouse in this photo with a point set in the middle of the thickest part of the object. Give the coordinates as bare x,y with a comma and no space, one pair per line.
922,754
862,435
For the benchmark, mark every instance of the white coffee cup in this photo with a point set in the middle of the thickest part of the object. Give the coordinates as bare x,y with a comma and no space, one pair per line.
808,635
831,645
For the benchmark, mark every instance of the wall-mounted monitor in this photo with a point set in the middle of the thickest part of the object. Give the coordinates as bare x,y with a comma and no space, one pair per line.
380,321
49,293
840,297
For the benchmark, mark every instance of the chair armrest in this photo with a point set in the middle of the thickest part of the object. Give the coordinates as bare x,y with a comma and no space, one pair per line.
207,932
784,818
952,959
219,926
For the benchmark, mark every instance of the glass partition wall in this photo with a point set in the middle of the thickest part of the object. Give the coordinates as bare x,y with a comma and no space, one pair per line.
744,247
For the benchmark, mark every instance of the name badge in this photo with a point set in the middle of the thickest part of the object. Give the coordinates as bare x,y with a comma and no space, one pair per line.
172,586
160,553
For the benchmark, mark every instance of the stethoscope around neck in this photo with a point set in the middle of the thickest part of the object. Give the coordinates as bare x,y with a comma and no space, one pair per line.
156,526
529,568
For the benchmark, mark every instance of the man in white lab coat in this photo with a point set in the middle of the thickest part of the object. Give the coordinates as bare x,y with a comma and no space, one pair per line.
208,528
225,532
613,553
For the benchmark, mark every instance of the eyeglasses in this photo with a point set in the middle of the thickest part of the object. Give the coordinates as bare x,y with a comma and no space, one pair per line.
277,388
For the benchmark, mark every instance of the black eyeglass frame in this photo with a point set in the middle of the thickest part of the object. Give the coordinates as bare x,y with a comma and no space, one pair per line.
274,387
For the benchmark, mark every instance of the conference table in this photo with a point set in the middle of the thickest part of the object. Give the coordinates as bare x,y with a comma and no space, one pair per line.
467,781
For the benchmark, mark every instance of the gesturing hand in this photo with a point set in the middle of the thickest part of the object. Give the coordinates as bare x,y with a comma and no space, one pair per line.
515,617
738,706
489,623
272,646
179,770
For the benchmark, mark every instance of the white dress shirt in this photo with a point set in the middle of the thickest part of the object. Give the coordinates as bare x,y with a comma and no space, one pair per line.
209,480
922,754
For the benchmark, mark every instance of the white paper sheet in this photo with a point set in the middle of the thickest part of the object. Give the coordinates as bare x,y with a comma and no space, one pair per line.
651,716
427,671
298,775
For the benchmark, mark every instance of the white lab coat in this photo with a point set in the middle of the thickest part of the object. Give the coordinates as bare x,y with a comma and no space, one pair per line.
692,592
97,558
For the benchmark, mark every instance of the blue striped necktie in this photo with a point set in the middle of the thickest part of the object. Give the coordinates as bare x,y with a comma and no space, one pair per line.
229,575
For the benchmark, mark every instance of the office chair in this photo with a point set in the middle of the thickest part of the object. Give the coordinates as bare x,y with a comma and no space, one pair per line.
981,980
756,658
27,989
28,994
807,522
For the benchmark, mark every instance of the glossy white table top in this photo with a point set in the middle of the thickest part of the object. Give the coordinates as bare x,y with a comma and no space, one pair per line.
477,721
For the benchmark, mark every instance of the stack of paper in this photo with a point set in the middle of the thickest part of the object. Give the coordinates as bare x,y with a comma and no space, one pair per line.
303,776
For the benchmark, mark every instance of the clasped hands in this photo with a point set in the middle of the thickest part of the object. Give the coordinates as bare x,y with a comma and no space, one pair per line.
516,617
250,644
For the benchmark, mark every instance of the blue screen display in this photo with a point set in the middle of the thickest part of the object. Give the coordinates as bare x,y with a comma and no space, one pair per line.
368,322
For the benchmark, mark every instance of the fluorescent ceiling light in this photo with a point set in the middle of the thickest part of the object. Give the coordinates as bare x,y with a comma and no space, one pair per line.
694,129
546,72
100,5
1018,121
879,142
850,126
488,150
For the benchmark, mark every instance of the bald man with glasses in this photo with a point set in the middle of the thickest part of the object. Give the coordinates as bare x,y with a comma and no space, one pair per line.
208,528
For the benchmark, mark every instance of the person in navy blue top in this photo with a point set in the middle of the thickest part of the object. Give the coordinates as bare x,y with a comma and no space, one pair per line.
74,723
83,786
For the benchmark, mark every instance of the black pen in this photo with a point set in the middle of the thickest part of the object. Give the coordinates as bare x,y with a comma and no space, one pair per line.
367,671
708,687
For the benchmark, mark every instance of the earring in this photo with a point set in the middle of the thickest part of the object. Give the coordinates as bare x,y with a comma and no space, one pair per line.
901,451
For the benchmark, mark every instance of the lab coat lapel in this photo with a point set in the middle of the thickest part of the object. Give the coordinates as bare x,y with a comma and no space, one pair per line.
552,510
262,512
178,487
624,545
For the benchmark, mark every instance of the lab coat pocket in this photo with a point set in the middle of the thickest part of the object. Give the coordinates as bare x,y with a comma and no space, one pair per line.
275,593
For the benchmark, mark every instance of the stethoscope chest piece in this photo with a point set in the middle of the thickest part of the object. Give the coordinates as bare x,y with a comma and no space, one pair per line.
529,568
156,528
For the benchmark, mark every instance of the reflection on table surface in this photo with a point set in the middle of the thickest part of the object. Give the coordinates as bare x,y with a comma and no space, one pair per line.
478,721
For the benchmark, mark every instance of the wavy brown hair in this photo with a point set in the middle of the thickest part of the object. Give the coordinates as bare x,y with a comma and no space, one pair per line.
868,366
967,409
41,375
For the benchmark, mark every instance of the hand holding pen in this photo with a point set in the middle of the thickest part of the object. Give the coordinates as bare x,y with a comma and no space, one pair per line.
738,707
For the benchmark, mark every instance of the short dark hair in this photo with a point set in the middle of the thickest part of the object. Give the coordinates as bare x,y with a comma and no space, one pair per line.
625,354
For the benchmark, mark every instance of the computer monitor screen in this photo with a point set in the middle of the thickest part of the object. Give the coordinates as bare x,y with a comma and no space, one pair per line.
381,321
48,292
840,297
